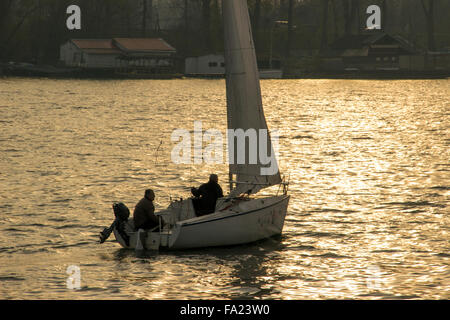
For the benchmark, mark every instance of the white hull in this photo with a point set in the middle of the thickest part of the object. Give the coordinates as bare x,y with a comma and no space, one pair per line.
245,222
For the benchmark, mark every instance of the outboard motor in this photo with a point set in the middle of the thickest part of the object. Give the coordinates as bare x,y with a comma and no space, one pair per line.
122,214
121,211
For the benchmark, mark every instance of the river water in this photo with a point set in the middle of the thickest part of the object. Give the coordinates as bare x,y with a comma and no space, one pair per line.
368,163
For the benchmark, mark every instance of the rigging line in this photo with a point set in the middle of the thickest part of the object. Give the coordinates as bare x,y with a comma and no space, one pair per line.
156,153
192,155
165,167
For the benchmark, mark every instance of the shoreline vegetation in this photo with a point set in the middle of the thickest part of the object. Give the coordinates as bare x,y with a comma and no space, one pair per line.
308,39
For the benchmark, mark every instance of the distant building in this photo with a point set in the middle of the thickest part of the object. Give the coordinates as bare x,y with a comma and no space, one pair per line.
89,53
208,65
213,65
369,51
142,54
120,54
437,61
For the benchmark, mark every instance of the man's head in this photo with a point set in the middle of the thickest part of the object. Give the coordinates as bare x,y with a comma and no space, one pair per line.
149,194
214,178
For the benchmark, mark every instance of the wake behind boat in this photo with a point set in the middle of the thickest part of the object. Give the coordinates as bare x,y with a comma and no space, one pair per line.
238,218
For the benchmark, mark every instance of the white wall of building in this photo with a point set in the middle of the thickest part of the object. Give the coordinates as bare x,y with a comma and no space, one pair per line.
67,54
211,64
72,56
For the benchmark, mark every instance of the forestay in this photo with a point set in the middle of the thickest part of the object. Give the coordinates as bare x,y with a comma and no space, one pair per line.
244,105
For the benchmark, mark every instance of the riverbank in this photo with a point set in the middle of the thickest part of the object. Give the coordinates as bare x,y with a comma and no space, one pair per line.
375,75
47,71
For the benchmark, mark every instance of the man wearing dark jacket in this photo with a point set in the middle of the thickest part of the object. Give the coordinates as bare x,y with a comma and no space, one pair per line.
144,212
207,195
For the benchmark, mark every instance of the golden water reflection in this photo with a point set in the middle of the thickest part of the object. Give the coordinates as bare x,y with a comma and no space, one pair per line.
368,163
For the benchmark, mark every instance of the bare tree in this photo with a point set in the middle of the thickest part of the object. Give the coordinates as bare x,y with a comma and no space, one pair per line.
144,18
206,23
324,37
335,19
147,13
350,12
19,24
384,17
429,15
256,20
5,8
290,28
186,26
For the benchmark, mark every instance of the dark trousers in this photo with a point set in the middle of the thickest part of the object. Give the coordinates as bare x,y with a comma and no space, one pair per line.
202,207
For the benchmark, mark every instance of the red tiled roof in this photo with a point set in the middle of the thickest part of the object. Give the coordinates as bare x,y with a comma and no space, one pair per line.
122,45
102,51
93,43
143,44
96,46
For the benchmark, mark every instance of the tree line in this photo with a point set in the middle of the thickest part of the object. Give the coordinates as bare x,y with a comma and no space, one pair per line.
33,30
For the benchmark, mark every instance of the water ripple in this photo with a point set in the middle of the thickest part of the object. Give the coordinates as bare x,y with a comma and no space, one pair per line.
369,181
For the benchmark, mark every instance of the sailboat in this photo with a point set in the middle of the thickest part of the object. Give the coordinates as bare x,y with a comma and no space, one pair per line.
240,217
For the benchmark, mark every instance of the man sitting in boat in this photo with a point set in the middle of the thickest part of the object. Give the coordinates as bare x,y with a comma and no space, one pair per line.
144,212
207,195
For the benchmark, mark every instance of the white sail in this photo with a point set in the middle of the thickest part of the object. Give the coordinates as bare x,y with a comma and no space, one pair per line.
244,105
